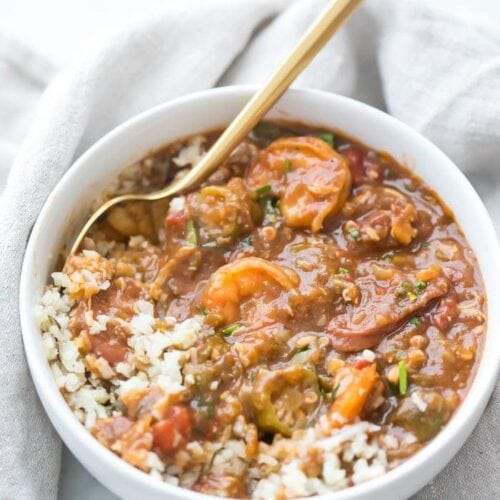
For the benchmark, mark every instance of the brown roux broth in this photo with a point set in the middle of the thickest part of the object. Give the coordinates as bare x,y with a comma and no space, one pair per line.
439,344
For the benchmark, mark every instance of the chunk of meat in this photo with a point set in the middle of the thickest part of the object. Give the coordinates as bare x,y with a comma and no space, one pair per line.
356,160
185,260
221,214
380,216
311,179
386,303
110,344
354,388
446,313
141,402
109,430
243,278
117,301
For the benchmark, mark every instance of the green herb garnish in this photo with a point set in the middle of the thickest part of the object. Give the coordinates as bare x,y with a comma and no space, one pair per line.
288,165
424,244
403,377
270,206
191,236
355,234
335,390
228,330
415,321
328,138
264,190
207,408
344,270
304,348
204,311
388,256
420,286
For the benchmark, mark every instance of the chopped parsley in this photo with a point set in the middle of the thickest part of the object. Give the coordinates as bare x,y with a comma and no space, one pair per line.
355,234
263,190
328,138
191,236
288,165
410,290
344,270
403,377
387,256
415,321
207,408
228,330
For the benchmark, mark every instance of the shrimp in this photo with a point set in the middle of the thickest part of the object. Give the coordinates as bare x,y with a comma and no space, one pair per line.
243,278
311,179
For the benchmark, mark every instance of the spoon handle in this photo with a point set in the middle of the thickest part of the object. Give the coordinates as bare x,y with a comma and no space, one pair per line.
317,35
308,46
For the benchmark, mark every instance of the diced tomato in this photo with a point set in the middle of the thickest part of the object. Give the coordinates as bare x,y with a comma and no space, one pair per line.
176,219
356,159
182,419
173,431
362,363
164,435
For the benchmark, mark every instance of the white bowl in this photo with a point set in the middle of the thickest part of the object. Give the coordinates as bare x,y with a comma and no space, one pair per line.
66,208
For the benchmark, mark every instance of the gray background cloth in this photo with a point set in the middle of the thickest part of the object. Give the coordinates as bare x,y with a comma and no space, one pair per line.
438,71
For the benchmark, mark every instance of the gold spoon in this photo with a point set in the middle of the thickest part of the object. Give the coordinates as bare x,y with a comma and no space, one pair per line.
308,46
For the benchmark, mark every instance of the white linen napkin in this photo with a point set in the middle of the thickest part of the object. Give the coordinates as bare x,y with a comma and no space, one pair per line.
437,71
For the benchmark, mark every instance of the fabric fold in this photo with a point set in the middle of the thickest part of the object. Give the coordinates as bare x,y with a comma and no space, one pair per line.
438,72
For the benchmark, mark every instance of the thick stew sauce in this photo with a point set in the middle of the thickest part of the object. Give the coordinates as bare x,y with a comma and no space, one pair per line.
335,284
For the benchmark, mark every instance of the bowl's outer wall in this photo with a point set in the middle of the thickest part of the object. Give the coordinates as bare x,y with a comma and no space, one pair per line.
94,170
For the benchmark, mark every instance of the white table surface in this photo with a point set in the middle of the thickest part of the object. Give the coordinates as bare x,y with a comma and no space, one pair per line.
59,30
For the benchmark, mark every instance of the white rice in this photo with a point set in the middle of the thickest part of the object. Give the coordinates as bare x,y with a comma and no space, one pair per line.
157,350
